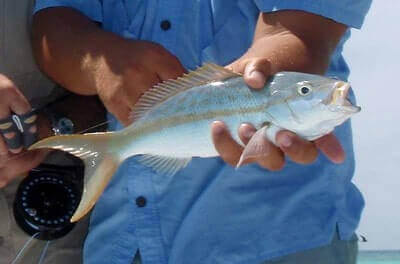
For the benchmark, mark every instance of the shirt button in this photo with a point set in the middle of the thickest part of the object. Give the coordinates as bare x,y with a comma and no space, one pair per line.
165,25
141,201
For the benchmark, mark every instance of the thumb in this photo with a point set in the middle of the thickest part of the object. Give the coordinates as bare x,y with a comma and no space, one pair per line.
256,72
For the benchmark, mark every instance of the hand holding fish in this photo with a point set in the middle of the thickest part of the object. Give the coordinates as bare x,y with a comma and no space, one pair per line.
282,44
139,66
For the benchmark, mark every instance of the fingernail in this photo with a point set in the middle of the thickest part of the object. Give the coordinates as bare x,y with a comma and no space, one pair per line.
284,141
16,151
9,135
218,127
246,131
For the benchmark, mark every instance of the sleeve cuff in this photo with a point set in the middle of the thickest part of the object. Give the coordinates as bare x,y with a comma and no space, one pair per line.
90,8
348,12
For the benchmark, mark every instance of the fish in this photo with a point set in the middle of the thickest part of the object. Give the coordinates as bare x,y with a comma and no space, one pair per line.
171,122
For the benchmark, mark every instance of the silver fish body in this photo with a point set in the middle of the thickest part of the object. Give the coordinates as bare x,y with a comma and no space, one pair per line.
180,126
172,121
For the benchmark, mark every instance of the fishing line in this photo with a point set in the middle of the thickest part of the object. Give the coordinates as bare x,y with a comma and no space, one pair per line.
30,243
44,252
27,253
93,127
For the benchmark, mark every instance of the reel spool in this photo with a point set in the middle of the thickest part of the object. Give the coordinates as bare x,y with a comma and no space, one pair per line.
46,200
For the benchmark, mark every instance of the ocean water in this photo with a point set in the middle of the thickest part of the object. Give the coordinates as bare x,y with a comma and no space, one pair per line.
379,257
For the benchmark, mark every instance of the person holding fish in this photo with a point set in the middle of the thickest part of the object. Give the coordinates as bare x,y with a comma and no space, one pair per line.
162,193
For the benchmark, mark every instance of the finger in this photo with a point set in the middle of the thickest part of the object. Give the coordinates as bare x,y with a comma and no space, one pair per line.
3,179
256,72
12,98
296,148
21,163
238,65
165,63
331,148
5,124
3,149
226,146
11,135
4,111
16,150
20,104
246,131
275,159
260,149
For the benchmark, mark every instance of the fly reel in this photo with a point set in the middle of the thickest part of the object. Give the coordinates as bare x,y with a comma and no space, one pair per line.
46,200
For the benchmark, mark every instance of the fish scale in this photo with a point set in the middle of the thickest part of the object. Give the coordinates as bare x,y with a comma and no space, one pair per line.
189,115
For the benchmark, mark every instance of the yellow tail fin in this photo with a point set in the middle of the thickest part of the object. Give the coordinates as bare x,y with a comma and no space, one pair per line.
100,161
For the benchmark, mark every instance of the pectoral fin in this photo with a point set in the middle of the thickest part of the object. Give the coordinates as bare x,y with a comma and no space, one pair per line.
259,144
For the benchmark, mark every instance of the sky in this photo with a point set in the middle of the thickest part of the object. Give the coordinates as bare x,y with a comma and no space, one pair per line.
373,54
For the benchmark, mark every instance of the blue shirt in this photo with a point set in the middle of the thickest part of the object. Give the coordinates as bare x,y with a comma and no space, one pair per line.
209,212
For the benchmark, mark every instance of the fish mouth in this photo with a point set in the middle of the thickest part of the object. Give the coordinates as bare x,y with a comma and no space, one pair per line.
339,100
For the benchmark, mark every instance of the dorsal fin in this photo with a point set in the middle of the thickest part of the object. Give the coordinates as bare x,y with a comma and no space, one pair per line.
162,91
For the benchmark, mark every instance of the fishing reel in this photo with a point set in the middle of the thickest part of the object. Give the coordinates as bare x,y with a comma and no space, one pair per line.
46,200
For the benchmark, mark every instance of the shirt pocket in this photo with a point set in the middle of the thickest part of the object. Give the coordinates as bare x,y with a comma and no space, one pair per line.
234,36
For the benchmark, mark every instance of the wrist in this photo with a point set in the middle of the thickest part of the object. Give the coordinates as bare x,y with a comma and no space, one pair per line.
297,55
296,40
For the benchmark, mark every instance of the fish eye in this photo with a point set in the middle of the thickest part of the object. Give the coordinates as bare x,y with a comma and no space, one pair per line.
304,88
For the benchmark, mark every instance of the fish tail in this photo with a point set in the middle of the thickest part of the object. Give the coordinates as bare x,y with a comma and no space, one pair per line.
100,159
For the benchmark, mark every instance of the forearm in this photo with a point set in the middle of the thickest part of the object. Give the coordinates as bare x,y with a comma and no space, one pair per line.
87,60
63,44
296,41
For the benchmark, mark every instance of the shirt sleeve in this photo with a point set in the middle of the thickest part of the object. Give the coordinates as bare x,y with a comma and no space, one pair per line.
348,12
91,8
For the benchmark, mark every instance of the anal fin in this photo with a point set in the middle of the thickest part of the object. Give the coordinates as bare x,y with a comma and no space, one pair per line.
163,164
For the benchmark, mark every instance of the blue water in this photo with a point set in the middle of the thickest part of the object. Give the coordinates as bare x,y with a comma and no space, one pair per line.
379,257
